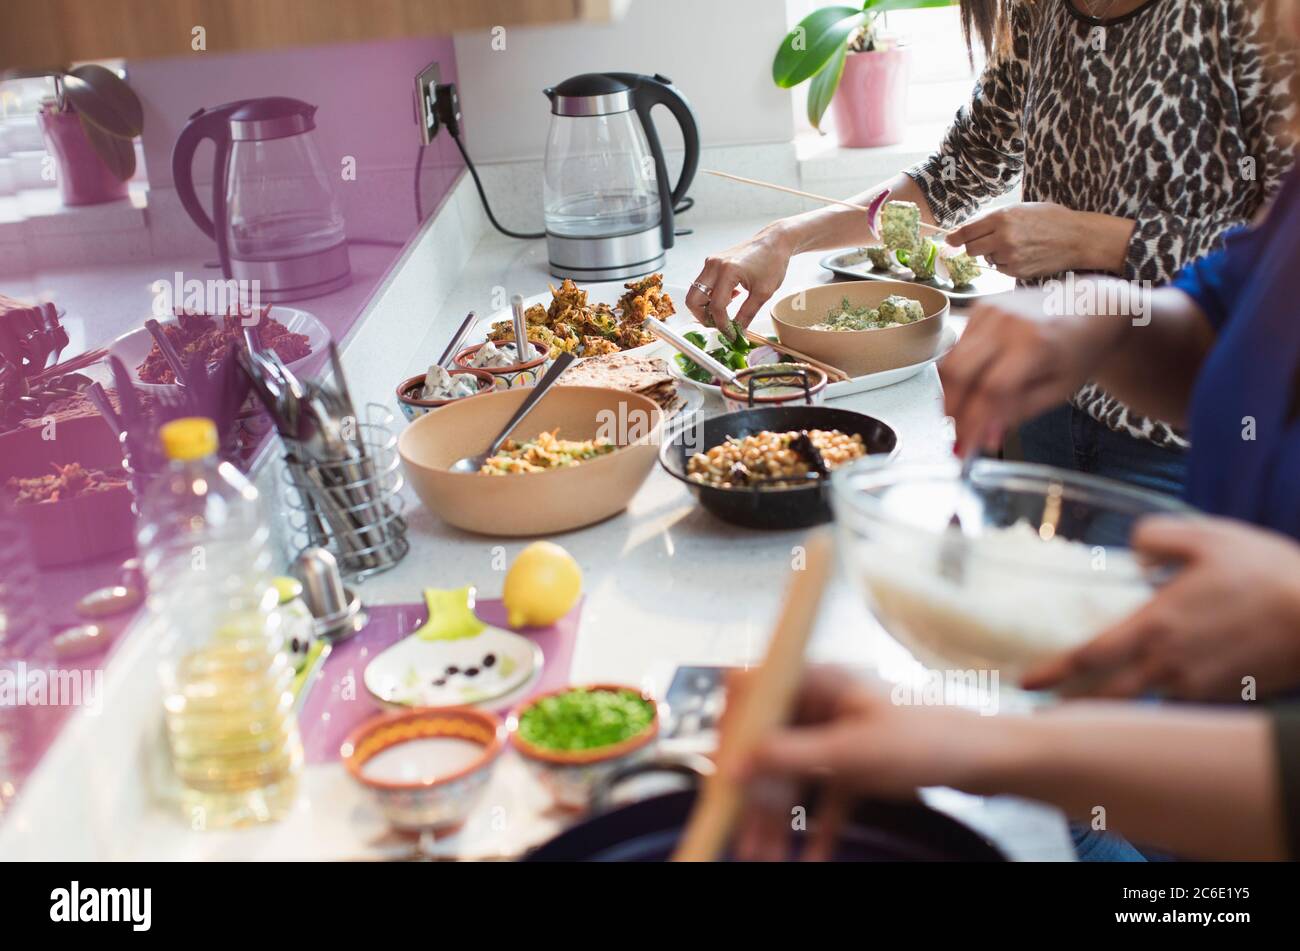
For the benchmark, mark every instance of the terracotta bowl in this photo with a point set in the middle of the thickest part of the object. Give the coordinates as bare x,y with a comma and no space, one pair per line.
439,803
521,374
75,530
859,352
413,407
571,775
772,388
537,503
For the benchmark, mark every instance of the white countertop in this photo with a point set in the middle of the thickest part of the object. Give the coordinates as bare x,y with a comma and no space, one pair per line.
665,583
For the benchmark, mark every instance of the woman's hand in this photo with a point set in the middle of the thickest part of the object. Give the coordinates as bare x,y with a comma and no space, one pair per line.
757,265
1018,357
858,741
1034,239
1231,613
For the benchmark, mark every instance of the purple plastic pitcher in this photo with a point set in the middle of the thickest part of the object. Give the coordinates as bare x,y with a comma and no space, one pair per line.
274,215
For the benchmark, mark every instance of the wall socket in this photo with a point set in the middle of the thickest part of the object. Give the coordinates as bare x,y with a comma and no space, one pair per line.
426,82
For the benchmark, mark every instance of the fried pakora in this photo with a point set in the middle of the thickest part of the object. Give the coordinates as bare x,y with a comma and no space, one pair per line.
571,324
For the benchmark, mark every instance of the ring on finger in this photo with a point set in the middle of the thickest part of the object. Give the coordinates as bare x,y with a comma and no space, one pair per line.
702,288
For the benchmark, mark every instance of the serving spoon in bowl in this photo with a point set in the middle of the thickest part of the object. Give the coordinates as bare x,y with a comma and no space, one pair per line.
472,464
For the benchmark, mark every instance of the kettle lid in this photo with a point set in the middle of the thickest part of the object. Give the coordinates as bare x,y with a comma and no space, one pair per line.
274,117
590,94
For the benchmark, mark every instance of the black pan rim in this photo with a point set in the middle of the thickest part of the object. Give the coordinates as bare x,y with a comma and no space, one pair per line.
676,441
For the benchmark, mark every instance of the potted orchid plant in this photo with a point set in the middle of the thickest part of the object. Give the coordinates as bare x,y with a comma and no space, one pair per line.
856,70
89,127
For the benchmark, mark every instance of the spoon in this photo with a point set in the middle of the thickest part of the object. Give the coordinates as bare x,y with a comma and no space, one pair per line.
692,352
168,351
472,464
521,328
952,550
448,358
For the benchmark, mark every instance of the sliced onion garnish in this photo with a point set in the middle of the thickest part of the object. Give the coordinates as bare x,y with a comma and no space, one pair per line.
873,212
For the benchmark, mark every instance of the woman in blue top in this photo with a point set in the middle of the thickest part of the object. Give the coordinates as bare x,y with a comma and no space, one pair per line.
1218,351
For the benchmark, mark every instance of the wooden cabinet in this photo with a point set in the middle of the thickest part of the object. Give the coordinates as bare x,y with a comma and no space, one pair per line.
53,32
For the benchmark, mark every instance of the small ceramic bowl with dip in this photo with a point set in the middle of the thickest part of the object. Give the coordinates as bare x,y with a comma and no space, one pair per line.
414,404
497,359
426,769
553,734
778,384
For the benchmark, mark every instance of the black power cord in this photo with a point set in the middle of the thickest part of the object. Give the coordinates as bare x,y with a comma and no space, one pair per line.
528,235
447,109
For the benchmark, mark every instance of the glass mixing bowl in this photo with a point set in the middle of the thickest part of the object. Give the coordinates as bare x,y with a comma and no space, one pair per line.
1044,556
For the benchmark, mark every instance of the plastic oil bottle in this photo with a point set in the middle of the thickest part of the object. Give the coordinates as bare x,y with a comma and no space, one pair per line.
227,682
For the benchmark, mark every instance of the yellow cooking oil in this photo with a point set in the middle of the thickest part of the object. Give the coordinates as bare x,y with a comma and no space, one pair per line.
230,726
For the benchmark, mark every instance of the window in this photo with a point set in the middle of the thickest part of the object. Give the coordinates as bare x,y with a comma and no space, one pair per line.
24,164
942,73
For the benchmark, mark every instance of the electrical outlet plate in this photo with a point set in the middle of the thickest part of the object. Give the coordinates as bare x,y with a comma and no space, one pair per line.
426,82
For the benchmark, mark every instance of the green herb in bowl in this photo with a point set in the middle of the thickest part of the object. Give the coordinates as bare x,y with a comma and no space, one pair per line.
733,353
583,719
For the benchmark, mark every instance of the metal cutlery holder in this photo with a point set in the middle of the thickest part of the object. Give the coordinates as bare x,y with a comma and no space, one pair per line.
351,508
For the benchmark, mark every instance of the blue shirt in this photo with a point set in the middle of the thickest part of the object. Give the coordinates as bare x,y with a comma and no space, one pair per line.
1245,434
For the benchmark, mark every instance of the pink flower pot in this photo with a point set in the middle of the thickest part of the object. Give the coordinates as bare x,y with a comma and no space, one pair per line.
83,178
870,106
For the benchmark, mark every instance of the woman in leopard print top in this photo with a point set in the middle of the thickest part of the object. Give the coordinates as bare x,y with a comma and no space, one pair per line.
1139,140
1167,122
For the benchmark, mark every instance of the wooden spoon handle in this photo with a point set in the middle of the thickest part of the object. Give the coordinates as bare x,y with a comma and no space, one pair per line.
834,374
763,706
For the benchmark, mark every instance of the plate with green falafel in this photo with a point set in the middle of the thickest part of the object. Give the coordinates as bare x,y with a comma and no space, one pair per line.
904,255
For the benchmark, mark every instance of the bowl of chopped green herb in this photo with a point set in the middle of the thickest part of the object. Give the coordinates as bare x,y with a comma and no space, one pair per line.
863,327
573,737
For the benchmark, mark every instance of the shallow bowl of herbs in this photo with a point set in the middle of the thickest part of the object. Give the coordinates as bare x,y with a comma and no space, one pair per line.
731,350
574,737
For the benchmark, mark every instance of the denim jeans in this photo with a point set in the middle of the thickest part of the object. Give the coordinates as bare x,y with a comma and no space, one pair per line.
1069,438
1093,846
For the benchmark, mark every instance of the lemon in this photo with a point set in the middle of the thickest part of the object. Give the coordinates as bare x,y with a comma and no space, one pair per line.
542,585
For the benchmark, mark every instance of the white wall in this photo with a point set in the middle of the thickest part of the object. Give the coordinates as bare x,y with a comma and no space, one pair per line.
718,52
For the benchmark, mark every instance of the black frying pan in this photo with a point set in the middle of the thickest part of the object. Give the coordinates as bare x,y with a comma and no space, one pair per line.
647,831
752,507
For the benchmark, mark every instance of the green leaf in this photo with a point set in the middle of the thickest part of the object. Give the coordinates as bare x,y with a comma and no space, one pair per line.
884,6
117,153
822,89
104,100
814,43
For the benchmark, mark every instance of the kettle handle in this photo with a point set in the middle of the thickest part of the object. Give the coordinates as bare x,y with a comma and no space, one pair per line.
651,91
211,124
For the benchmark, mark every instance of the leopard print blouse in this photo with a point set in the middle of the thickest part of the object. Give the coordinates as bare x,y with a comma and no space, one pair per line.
1175,115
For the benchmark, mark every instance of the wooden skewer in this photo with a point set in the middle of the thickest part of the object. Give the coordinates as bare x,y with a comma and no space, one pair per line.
830,201
835,374
763,706
822,198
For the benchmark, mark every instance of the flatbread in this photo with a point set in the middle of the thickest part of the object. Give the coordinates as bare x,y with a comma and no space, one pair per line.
648,376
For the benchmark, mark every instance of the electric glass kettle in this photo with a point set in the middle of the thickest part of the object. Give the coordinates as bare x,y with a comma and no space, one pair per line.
607,202
274,215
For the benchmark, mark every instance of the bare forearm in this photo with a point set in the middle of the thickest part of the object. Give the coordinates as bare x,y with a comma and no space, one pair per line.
1104,241
1158,354
1196,783
838,227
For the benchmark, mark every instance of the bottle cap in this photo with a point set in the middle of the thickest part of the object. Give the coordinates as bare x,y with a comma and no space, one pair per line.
191,437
